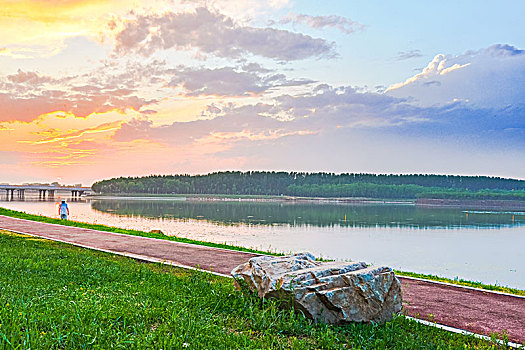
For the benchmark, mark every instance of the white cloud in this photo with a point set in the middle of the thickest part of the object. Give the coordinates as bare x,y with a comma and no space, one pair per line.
343,24
489,78
32,78
25,96
213,33
324,109
229,81
405,55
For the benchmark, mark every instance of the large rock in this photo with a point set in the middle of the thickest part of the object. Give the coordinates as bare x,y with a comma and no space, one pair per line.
331,292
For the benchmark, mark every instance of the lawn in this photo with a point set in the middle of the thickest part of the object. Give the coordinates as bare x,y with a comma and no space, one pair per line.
54,295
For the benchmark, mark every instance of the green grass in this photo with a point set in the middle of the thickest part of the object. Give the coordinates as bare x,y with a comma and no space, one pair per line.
39,218
463,282
57,296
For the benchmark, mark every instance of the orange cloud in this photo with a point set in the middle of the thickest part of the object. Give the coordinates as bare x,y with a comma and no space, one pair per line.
72,136
49,142
14,53
48,22
28,108
254,136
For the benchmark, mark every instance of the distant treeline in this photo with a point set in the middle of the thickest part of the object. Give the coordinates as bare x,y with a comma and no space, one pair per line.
320,185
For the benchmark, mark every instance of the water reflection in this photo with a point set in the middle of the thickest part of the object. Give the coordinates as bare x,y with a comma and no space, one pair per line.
36,198
311,214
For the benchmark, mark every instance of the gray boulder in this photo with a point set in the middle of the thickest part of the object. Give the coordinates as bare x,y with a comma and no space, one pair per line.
330,292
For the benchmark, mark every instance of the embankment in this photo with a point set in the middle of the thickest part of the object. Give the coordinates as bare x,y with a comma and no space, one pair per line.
484,204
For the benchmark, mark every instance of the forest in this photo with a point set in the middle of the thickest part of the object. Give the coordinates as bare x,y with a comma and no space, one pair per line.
320,184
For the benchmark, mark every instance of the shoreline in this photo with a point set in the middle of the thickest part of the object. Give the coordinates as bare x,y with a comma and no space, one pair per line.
254,198
486,204
482,204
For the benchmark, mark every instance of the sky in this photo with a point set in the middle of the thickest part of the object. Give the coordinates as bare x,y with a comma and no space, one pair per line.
93,89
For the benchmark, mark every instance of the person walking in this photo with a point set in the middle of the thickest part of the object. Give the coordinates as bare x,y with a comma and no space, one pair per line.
63,210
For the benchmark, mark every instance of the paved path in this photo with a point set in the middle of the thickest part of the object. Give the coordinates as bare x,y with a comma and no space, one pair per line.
474,310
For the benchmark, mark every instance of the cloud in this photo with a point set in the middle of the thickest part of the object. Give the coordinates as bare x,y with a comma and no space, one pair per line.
246,8
221,81
229,81
405,55
121,86
32,78
14,53
343,117
26,95
30,107
135,129
341,129
52,142
72,137
490,78
184,133
325,108
38,28
343,24
213,33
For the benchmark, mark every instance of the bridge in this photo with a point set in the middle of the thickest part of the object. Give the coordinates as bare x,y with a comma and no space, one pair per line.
43,190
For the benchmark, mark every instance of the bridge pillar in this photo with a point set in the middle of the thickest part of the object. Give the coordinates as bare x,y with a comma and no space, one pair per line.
51,193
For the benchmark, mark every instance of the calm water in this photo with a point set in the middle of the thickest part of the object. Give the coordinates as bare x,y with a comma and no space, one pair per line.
474,245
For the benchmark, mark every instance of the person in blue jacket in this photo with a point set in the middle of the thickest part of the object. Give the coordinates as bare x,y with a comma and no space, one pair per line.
63,210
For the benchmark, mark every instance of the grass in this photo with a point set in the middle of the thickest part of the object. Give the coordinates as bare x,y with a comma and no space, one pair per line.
463,282
55,296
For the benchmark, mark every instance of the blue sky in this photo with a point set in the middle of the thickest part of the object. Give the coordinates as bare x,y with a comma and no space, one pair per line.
92,89
370,57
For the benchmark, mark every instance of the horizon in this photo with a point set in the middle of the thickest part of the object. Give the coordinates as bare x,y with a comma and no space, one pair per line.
92,89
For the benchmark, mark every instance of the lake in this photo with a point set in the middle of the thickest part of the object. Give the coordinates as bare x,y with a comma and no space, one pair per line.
485,246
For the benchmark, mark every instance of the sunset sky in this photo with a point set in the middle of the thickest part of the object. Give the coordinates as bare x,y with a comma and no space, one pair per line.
95,89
